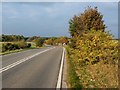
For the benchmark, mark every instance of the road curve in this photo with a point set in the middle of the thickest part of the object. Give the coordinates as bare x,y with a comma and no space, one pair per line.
40,71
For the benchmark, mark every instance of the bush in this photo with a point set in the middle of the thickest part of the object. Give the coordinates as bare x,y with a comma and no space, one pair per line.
7,46
4,48
95,58
95,46
72,43
14,46
39,42
22,44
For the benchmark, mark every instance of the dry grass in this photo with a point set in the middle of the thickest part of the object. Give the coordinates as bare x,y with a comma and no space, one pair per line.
99,76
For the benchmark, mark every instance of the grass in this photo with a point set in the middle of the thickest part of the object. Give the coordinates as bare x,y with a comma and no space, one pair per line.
99,76
72,78
12,51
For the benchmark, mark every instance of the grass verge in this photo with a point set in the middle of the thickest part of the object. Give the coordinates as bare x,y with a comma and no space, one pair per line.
14,51
72,78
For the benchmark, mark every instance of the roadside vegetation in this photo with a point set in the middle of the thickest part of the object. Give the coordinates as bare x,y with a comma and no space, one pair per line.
57,41
92,54
16,43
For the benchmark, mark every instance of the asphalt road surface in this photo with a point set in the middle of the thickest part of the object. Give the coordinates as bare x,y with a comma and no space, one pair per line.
39,71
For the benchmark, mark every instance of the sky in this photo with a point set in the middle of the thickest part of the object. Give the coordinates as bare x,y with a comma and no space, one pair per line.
49,19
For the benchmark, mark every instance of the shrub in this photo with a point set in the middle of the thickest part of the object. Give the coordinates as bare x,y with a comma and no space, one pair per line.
22,44
39,42
72,43
95,59
10,46
4,48
95,46
14,46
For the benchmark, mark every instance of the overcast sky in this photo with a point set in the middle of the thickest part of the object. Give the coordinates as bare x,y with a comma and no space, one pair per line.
51,19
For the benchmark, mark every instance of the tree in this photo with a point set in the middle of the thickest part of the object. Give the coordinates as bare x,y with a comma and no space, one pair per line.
91,18
63,40
12,38
39,42
32,39
75,26
56,41
53,40
49,42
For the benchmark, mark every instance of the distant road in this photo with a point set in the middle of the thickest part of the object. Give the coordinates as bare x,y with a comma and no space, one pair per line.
36,68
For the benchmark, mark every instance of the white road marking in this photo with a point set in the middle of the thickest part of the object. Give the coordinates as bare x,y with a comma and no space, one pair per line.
22,60
59,81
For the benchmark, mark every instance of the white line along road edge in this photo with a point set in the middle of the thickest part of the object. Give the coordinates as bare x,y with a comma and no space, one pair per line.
59,81
22,60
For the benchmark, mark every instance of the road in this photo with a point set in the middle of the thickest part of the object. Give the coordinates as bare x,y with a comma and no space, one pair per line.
39,71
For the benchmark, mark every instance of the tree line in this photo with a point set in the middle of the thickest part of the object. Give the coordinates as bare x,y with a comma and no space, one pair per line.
13,42
11,38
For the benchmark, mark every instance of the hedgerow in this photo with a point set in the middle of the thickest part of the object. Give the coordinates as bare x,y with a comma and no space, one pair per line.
15,46
95,46
95,59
